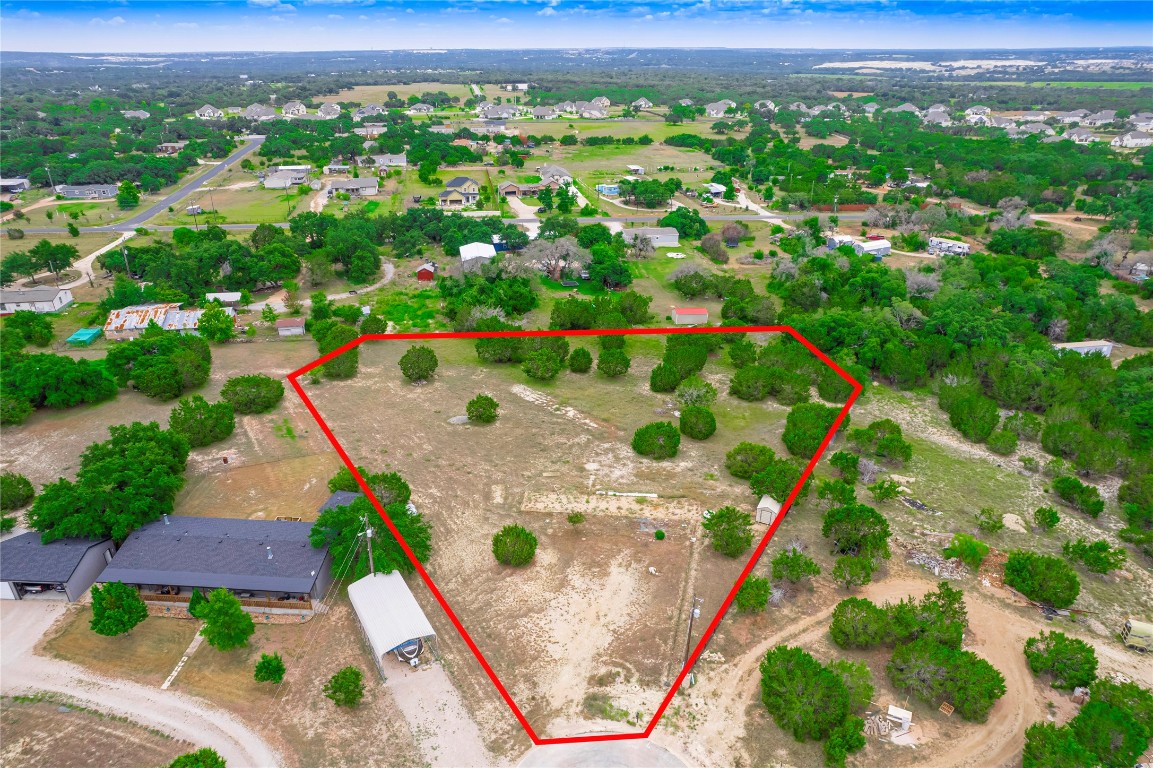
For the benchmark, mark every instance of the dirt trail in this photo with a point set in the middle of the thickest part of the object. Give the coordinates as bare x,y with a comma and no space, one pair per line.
183,717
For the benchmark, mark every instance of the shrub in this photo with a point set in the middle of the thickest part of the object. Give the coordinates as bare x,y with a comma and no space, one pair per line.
659,440
752,383
1098,556
698,422
1072,663
1082,497
482,409
848,464
803,696
696,391
989,520
15,491
226,624
1042,578
747,459
575,518
255,393
884,490
419,363
201,758
116,609
932,672
1003,442
968,550
200,422
793,565
543,365
859,623
1046,518
664,378
852,571
613,362
753,594
659,535
346,687
514,545
270,669
730,530
14,409
806,427
580,361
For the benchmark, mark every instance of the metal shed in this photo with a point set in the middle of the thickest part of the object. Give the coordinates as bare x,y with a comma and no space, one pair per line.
392,620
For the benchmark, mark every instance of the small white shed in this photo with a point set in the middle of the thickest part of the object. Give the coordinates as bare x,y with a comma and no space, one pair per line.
768,509
874,248
392,620
471,251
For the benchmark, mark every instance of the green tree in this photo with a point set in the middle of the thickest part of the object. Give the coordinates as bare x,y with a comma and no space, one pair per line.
580,361
697,422
418,363
989,520
254,393
1070,662
482,409
116,609
543,365
968,550
339,529
730,530
659,440
848,464
514,545
1050,746
226,624
858,623
857,530
268,314
201,758
747,459
933,672
196,603
806,427
200,422
127,195
347,364
30,327
664,378
1046,518
1082,497
858,681
778,480
346,687
885,490
853,571
1110,733
793,565
270,669
1097,556
803,696
15,491
753,594
216,324
1042,578
696,391
14,409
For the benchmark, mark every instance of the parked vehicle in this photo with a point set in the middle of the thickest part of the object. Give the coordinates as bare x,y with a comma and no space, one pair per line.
1137,635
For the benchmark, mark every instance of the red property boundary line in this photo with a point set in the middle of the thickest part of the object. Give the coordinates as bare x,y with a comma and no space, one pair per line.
294,379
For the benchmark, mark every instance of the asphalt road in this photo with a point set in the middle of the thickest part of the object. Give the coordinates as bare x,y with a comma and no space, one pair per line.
640,753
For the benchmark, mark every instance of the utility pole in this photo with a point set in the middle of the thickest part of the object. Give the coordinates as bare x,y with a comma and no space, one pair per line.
693,614
368,541
124,253
51,183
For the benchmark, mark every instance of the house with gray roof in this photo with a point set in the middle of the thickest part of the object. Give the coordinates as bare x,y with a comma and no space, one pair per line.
543,113
685,102
642,103
1036,129
209,112
136,114
1074,116
328,110
364,187
268,564
906,107
41,300
594,113
1133,140
293,109
765,104
718,108
367,110
63,569
87,191
602,102
1080,136
420,108
1104,117
259,112
936,117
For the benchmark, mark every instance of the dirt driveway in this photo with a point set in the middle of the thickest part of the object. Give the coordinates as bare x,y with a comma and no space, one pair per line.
23,624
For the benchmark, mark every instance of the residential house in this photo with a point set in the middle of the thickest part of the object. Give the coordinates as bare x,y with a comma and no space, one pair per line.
978,109
714,189
1080,136
1032,116
332,168
690,316
130,322
1097,119
328,111
1096,347
554,175
365,187
1142,121
420,108
268,564
426,272
285,179
290,326
719,108
765,105
459,192
63,569
635,170
543,113
602,102
370,130
938,107
642,103
566,106
936,117
1133,140
293,109
1002,122
978,119
136,114
906,107
259,112
660,237
874,248
1074,116
594,113
209,112
225,298
500,112
685,102
474,254
871,107
14,186
385,162
171,147
608,189
445,129
836,241
1034,129
942,245
482,106
367,110
87,191
40,300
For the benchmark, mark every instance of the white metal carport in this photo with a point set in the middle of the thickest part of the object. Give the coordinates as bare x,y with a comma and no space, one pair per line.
388,613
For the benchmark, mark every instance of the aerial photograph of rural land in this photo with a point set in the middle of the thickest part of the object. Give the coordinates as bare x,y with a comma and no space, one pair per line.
576,384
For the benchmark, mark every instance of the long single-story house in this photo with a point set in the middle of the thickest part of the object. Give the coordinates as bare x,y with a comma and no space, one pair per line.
1094,347
365,187
268,564
392,620
40,300
1133,140
260,112
459,192
64,568
690,316
945,245
87,191
130,322
660,237
384,162
874,248
171,147
225,298
474,251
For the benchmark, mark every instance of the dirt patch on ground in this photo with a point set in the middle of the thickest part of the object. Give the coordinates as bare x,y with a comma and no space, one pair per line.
52,734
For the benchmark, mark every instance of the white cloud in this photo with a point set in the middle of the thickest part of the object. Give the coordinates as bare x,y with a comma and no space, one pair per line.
335,16
24,13
504,20
115,21
186,25
272,5
362,17
549,11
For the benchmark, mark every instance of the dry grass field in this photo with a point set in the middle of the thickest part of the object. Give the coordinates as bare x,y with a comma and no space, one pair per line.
365,94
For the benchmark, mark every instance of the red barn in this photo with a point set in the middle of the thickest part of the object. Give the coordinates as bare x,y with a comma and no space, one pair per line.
426,272
690,316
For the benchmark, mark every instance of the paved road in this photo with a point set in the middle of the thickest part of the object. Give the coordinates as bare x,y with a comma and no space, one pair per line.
640,753
181,716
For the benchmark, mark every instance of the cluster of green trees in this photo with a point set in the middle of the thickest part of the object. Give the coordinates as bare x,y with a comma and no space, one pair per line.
1113,729
43,380
159,363
859,537
1071,663
122,483
1043,578
45,256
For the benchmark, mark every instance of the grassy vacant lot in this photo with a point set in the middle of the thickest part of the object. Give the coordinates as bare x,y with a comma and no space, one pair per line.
86,243
37,734
365,94
146,655
588,618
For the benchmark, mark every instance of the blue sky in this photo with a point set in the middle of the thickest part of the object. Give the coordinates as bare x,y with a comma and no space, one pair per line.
301,25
